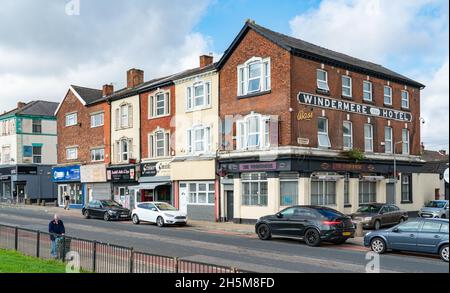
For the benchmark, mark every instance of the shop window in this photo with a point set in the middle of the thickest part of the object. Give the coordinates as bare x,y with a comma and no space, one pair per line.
367,192
288,189
254,76
201,193
406,189
254,189
323,192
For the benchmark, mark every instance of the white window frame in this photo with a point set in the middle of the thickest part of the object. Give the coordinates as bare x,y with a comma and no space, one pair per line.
263,133
349,87
192,140
348,135
388,143
370,192
97,123
71,119
153,104
368,138
405,99
95,152
197,191
387,96
191,97
153,143
124,116
243,73
120,153
320,133
325,191
321,82
370,92
261,179
406,142
71,153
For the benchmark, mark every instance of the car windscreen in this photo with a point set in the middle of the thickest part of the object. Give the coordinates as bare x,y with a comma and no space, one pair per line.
331,214
436,204
110,203
165,207
370,209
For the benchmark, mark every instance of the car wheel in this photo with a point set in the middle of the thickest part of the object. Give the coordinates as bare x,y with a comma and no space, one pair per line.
444,253
86,214
160,222
263,232
312,237
377,225
135,220
106,217
378,245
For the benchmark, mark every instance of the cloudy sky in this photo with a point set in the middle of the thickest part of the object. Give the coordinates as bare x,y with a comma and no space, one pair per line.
47,45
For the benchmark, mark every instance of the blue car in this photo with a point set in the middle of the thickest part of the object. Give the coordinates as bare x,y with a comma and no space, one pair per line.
416,235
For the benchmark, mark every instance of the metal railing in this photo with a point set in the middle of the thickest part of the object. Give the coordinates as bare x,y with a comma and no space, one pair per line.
98,257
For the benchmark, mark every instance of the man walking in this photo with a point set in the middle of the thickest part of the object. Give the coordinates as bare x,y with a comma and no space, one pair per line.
66,201
56,230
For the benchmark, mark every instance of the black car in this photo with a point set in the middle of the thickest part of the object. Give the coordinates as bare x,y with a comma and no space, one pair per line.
106,210
313,224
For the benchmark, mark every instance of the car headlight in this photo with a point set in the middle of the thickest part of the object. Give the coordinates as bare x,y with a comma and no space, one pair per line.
367,219
111,212
170,215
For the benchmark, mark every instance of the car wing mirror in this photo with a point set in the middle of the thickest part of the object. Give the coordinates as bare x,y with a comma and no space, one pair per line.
279,215
396,230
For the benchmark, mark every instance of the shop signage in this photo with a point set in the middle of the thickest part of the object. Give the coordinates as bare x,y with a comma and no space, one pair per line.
302,116
348,167
93,173
259,167
155,169
121,174
24,170
64,174
351,107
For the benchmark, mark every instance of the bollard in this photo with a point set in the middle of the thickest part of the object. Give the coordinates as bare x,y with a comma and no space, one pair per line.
359,230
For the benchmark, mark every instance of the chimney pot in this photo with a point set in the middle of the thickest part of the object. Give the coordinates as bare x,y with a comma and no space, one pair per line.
108,89
134,77
206,60
20,105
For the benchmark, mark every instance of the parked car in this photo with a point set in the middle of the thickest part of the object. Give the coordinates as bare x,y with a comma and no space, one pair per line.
106,210
435,209
378,215
418,235
313,224
160,213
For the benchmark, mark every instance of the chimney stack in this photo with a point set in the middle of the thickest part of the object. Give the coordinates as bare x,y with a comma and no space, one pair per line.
134,77
206,60
108,89
20,105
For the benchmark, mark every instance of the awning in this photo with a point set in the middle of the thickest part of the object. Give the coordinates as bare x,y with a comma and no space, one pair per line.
149,186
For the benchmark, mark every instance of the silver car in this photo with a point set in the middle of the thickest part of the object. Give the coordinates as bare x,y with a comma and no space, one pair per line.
435,209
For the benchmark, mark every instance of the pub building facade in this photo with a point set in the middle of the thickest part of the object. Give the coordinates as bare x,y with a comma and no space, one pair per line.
83,122
306,125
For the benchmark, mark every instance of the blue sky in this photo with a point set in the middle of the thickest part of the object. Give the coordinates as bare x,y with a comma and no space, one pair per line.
49,49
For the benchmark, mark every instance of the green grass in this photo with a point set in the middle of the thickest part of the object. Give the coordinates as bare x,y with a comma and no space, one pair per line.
14,262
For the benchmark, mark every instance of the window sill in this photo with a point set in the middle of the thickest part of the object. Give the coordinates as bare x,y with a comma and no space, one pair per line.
369,102
209,107
406,109
252,95
388,106
158,117
347,206
347,98
323,92
97,126
406,202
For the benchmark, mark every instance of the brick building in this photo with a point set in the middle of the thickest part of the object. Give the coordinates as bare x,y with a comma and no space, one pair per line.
83,124
306,125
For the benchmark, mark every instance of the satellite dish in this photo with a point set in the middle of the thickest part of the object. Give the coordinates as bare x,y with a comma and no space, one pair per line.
446,175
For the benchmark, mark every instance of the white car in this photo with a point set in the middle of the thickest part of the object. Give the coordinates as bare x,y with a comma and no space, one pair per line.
160,213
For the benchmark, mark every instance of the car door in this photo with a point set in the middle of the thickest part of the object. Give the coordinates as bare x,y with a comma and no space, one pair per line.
429,237
94,209
384,216
141,211
280,225
396,214
152,213
301,218
404,236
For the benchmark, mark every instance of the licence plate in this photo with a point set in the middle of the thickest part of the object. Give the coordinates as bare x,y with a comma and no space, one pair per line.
347,234
124,216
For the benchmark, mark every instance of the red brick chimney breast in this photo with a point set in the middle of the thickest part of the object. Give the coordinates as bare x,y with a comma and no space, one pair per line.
108,89
206,60
134,77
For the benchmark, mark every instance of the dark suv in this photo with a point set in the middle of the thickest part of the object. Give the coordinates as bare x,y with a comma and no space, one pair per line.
106,210
313,224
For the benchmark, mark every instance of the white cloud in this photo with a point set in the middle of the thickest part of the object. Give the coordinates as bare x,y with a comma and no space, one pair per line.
410,37
45,52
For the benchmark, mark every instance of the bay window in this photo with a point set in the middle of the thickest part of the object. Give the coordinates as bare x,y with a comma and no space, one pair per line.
254,76
199,140
254,189
253,132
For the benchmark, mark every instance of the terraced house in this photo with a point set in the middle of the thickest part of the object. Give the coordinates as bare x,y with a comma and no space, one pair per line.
307,125
83,145
28,151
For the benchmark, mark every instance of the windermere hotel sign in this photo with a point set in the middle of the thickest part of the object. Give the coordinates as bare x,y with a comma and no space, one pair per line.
328,103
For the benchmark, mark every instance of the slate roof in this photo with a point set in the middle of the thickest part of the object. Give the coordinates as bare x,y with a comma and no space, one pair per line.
435,162
311,51
34,108
89,95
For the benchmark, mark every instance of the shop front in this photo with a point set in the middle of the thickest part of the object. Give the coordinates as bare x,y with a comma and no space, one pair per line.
95,184
122,180
68,180
255,189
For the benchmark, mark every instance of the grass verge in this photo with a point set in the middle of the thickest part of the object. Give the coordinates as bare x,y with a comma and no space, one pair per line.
14,262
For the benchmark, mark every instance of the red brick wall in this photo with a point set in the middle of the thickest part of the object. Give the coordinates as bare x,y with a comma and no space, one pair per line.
275,103
150,125
82,136
304,80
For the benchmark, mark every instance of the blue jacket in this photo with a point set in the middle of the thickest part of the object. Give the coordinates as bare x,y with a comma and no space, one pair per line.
57,229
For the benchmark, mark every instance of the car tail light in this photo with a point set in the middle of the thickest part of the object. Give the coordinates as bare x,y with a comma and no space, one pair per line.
331,223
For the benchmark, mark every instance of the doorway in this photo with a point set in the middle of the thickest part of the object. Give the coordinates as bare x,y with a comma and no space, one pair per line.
62,189
230,206
390,193
183,197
